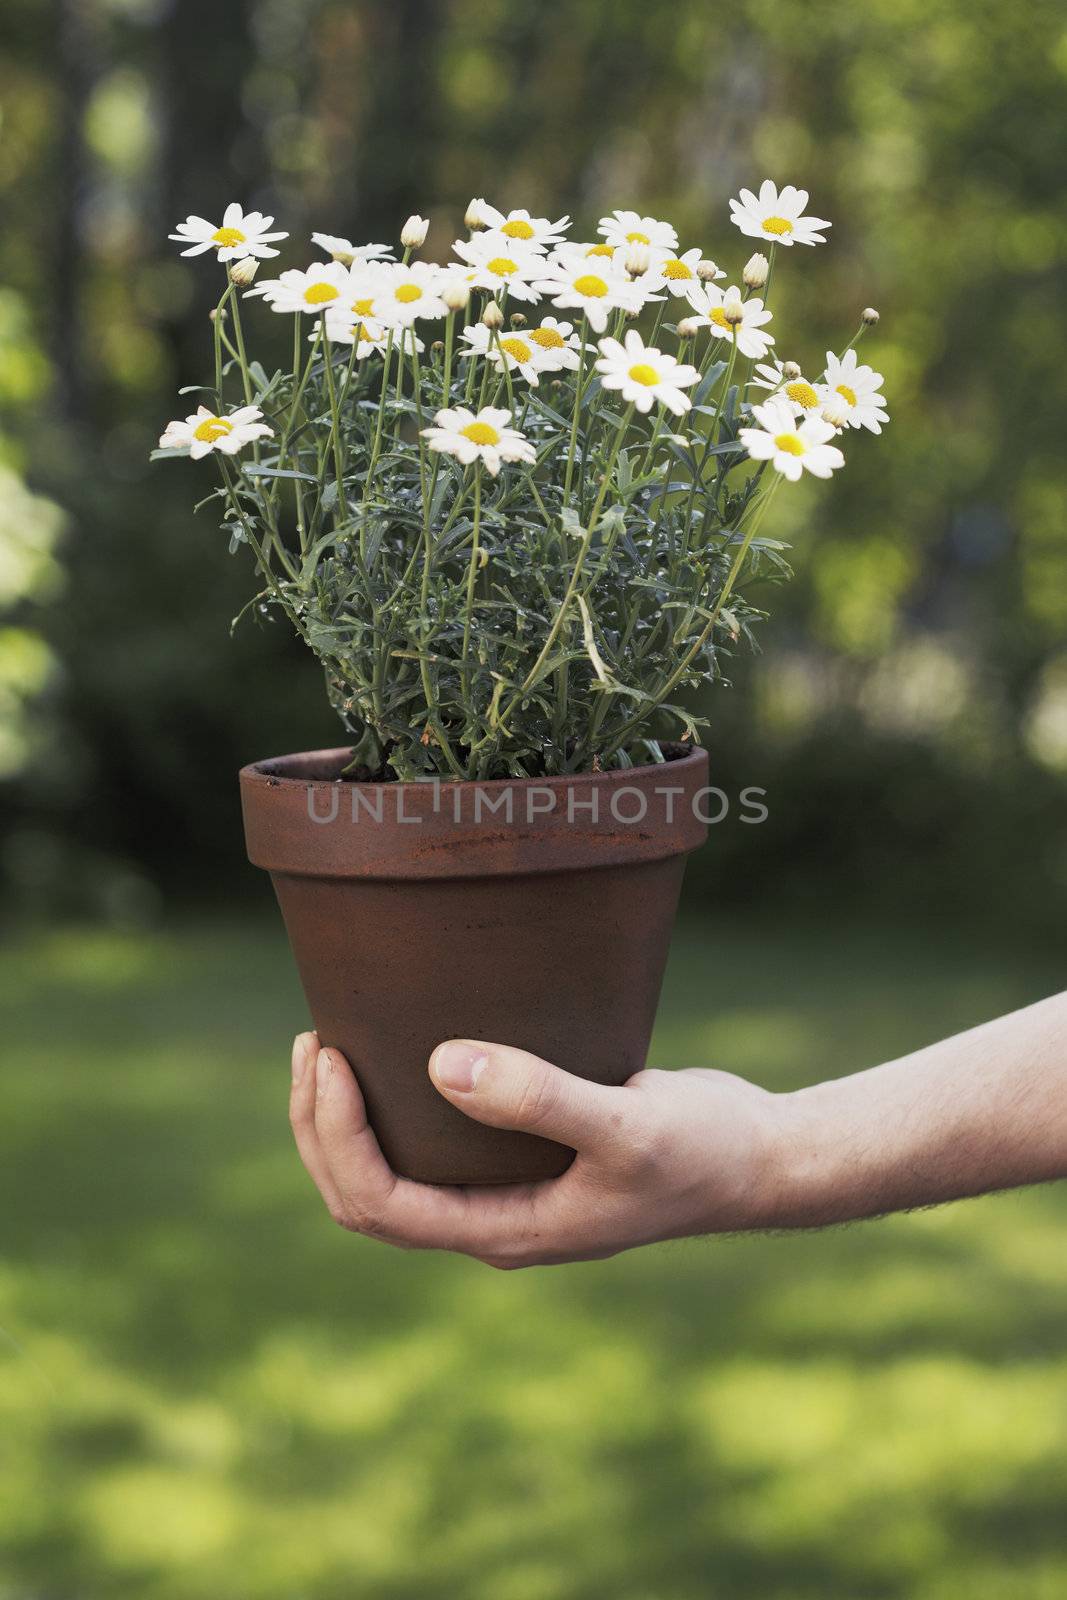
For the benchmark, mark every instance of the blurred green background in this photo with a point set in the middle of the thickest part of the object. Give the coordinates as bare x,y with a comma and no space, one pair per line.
203,1389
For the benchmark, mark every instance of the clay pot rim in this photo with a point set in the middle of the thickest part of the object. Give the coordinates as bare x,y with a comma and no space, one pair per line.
684,758
296,823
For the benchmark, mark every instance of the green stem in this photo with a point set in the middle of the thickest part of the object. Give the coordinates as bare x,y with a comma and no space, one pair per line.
340,505
376,447
856,337
579,391
472,573
216,323
242,358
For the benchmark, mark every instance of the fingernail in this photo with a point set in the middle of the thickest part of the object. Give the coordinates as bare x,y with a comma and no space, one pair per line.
458,1066
323,1073
300,1055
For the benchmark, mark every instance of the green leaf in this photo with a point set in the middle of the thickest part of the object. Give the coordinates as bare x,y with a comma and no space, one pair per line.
708,382
590,642
256,469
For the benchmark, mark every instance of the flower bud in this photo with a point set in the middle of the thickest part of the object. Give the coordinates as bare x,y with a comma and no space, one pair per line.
492,316
689,327
870,317
473,218
244,271
790,371
835,411
638,259
518,320
757,269
456,294
733,310
413,233
707,271
438,347
215,314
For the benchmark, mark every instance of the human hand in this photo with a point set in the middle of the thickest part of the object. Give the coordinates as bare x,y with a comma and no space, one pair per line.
667,1155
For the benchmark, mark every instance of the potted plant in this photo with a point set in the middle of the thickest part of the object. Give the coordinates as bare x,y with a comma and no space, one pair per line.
510,504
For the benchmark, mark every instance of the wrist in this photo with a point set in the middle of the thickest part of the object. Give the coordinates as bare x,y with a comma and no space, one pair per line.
803,1184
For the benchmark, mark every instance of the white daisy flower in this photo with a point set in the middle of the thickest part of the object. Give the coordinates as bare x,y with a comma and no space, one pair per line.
204,432
792,448
363,297
344,251
859,387
321,286
498,263
405,293
484,437
710,304
520,353
345,326
591,250
675,273
802,395
777,216
520,227
643,375
629,227
595,287
239,234
559,347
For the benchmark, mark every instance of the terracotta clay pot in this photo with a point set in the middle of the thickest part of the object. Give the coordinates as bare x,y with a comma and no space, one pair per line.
532,912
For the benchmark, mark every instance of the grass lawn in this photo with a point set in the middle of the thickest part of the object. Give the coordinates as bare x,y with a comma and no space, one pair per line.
208,1392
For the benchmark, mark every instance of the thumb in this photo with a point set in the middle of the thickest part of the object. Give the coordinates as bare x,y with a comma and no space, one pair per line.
511,1089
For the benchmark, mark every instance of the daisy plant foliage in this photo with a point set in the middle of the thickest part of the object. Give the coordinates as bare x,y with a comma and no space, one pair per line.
511,502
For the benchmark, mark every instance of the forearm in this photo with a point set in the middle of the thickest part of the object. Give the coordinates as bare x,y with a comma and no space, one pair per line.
984,1110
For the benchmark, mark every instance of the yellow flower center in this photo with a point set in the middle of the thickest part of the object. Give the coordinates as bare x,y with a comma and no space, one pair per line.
718,316
517,348
676,269
213,428
643,373
790,443
548,338
227,237
600,250
480,433
849,394
517,228
408,292
638,238
778,225
363,308
363,334
801,393
590,285
317,294
502,266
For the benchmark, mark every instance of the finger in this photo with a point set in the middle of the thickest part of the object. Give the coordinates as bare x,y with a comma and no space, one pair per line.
509,1088
371,1199
302,1117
